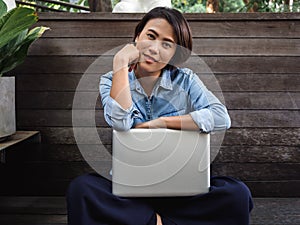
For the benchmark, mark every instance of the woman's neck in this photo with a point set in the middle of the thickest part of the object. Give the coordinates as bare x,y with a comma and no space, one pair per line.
147,80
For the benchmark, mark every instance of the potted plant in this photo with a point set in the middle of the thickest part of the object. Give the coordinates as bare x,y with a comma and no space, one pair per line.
16,35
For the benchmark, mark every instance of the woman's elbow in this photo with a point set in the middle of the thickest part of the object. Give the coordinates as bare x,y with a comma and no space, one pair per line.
120,125
222,120
227,122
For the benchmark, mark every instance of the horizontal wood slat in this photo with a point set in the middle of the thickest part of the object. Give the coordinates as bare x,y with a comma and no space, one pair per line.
269,137
266,211
227,154
253,100
7,219
231,29
33,205
255,171
228,29
228,82
69,64
90,118
258,154
108,16
202,46
274,188
243,171
234,100
234,136
264,118
59,187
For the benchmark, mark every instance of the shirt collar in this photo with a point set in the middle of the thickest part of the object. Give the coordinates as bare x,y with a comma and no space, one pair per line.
134,84
164,82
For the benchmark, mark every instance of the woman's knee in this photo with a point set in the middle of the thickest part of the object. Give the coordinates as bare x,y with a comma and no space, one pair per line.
235,192
77,186
241,195
87,184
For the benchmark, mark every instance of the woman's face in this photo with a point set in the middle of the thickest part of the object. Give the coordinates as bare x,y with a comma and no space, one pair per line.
157,45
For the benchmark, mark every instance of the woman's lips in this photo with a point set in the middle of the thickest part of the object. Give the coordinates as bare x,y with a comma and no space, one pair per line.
149,59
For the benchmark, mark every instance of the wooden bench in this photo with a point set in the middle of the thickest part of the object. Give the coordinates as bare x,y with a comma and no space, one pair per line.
255,58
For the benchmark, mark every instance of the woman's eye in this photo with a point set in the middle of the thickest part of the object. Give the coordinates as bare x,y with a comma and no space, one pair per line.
151,36
167,45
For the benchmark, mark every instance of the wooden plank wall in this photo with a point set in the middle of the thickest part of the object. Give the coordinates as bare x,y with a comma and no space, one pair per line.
255,58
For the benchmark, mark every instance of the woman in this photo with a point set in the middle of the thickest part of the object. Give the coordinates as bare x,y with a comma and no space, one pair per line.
146,89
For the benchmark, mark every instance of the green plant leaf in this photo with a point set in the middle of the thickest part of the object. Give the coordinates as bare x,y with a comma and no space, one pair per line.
12,45
36,32
16,36
5,17
18,55
21,18
3,8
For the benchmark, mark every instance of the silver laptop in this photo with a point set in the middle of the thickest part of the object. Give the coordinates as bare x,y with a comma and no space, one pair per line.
160,162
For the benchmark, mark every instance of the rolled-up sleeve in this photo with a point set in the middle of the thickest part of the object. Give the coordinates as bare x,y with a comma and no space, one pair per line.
116,116
209,113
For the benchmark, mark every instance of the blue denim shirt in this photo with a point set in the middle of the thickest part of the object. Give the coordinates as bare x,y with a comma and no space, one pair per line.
177,92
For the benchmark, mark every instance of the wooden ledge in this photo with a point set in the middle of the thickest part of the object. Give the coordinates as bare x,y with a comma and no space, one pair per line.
18,137
189,16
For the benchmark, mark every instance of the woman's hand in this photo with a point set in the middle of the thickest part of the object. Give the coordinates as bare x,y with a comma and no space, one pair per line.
156,123
128,55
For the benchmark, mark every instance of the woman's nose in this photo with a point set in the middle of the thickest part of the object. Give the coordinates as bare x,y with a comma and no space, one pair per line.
154,47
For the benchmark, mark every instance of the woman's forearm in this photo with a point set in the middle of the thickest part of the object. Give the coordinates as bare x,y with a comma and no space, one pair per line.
120,90
184,122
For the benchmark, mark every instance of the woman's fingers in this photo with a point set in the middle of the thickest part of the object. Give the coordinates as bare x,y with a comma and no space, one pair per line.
126,57
133,63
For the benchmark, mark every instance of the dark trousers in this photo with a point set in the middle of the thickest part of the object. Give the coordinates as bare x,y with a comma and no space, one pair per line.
90,202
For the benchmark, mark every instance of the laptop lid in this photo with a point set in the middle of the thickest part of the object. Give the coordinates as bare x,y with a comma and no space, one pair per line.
160,162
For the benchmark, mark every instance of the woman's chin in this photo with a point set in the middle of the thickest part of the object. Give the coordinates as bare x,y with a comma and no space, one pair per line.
151,67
